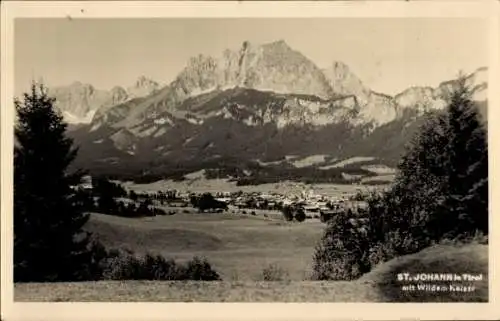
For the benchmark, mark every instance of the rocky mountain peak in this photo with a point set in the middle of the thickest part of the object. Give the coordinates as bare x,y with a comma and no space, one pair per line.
270,67
143,86
279,45
79,101
142,81
345,83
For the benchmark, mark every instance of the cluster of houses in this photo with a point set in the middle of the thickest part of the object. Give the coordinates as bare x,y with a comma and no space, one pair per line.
314,205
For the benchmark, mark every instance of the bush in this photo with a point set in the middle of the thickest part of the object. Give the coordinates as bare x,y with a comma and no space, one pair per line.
341,254
155,267
274,272
124,264
198,269
253,213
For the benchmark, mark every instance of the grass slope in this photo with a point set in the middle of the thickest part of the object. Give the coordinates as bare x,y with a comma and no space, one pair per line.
377,286
470,259
150,291
240,247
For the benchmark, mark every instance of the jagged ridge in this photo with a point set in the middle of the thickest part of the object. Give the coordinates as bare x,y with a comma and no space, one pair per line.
260,102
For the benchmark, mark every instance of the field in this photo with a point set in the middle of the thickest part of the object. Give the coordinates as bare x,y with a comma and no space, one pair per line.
240,247
377,286
197,184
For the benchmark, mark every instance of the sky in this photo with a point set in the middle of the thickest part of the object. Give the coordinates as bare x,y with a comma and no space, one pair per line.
387,54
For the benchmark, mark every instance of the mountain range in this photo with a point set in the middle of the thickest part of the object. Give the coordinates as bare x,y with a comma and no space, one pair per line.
257,111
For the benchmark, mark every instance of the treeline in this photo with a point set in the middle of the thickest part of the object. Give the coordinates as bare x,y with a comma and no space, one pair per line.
242,172
440,193
308,175
107,197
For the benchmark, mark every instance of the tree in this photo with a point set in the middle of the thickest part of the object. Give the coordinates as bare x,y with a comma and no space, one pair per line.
300,215
133,195
49,244
287,212
207,202
443,178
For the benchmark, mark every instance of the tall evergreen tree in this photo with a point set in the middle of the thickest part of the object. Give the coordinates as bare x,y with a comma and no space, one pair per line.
444,176
49,244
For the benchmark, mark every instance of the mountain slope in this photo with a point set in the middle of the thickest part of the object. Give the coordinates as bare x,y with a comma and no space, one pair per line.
261,103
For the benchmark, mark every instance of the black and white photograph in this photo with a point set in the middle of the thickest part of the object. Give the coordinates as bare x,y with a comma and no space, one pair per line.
248,159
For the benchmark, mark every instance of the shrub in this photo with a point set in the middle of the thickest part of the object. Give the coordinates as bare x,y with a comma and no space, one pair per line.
253,213
124,264
198,269
342,252
128,266
274,272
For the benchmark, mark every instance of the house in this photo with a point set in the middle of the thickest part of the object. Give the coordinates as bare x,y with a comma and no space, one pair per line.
225,200
311,209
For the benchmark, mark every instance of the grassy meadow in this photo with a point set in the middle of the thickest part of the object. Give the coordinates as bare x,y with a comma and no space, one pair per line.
239,247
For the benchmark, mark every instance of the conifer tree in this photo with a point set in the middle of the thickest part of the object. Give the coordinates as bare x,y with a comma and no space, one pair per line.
444,177
49,244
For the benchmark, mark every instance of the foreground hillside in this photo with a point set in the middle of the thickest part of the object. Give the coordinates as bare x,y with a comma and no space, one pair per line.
378,286
240,247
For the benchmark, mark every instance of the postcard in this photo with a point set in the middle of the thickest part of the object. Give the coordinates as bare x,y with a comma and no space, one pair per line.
200,160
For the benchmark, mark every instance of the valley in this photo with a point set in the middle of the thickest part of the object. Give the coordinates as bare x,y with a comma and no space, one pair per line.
296,160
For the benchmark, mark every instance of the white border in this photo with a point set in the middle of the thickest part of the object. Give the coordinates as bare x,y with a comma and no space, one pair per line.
235,311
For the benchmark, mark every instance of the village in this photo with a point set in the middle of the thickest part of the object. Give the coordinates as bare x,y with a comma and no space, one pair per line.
313,204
